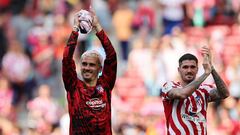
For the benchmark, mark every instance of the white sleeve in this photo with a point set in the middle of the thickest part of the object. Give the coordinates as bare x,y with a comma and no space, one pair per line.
207,88
166,88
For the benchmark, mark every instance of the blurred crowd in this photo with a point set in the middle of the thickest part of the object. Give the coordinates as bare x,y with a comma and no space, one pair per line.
149,36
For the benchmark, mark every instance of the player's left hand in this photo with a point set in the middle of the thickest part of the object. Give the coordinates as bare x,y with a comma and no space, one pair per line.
206,51
207,56
96,25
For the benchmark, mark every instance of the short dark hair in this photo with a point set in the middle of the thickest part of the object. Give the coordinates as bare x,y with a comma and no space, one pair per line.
187,56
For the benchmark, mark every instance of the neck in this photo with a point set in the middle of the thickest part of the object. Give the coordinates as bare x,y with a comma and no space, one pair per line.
183,83
91,83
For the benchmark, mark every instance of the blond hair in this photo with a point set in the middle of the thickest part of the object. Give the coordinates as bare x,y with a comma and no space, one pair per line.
93,53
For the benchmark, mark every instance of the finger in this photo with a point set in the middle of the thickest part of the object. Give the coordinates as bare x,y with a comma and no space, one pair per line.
205,59
91,8
79,12
203,52
92,11
205,47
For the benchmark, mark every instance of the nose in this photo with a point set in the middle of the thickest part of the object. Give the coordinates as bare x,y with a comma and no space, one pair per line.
87,66
189,69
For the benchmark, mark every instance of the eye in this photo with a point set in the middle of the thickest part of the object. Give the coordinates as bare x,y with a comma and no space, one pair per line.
193,67
84,64
92,64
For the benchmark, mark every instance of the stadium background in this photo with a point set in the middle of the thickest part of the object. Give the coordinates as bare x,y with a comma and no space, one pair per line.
34,32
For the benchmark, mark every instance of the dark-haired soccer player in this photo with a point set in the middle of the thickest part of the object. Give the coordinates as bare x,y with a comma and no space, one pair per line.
185,102
89,99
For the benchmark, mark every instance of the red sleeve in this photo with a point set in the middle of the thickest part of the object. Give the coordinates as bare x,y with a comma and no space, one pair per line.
110,64
69,74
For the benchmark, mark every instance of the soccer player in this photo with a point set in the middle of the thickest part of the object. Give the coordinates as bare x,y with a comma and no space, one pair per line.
185,102
89,99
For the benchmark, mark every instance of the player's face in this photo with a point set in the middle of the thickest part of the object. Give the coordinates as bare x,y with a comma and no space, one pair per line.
188,70
90,68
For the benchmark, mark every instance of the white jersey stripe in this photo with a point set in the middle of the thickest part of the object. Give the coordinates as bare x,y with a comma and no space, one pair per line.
187,123
175,118
171,131
199,114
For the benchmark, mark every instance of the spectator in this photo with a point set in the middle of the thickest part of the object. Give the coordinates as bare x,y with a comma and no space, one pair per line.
18,69
21,24
233,74
172,14
43,110
122,22
144,16
6,97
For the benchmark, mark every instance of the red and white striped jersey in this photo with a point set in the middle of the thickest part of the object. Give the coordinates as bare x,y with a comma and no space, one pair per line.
186,116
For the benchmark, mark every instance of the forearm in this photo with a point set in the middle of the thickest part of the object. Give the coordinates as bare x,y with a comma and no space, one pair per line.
220,84
187,90
106,43
110,63
191,87
97,28
71,45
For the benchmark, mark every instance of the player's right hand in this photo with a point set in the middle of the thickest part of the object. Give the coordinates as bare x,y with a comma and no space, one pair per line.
75,19
207,63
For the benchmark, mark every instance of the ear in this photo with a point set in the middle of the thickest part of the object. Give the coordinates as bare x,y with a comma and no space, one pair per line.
100,69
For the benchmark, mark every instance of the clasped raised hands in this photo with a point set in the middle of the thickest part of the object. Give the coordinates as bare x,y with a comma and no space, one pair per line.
95,22
207,59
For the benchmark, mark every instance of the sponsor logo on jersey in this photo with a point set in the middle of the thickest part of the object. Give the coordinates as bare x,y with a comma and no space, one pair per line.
191,118
96,103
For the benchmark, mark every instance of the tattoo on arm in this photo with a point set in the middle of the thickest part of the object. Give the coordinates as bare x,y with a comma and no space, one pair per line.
214,94
221,92
188,89
195,84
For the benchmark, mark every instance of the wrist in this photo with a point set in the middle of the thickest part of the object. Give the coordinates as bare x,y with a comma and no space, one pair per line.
212,67
76,28
97,28
207,73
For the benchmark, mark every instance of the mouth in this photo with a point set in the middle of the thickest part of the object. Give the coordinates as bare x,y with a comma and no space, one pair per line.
189,76
87,73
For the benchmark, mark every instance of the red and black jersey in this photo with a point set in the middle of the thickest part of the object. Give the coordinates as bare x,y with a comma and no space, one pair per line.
89,107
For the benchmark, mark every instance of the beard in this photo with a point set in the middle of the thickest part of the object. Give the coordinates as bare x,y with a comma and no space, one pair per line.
188,78
89,76
88,80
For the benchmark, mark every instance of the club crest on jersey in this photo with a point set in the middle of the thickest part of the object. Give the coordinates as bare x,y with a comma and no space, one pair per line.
100,89
198,100
197,107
